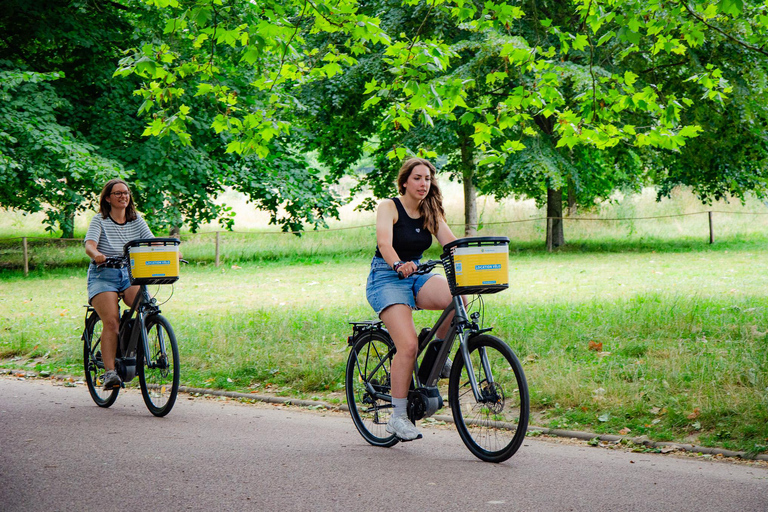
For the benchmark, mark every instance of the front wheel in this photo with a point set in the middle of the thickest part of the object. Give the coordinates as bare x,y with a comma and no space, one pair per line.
368,387
94,366
494,427
159,369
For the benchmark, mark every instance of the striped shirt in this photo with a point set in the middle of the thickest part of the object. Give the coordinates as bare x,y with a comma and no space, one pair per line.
110,237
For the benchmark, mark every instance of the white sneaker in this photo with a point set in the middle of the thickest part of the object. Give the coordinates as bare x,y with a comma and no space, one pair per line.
402,427
111,380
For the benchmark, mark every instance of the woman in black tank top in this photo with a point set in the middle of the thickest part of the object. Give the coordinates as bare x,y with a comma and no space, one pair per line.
404,229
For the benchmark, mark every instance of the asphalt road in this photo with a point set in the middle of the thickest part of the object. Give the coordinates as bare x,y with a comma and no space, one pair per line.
58,451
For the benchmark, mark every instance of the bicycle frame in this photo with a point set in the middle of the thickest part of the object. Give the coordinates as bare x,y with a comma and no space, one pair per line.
128,340
461,327
144,306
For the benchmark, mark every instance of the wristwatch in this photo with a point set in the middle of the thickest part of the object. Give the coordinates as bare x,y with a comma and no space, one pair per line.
397,265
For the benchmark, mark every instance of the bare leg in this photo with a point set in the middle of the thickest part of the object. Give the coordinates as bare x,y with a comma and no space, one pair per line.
129,295
436,295
398,319
105,304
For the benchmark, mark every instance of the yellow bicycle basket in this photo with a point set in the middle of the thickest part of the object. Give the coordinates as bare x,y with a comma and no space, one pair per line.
477,265
153,260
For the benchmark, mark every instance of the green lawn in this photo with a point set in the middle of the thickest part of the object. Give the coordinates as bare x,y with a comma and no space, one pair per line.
683,332
682,324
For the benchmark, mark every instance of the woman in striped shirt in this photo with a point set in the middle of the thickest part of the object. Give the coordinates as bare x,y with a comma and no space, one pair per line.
116,224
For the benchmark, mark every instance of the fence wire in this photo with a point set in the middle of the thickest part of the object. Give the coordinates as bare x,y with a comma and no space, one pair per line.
46,251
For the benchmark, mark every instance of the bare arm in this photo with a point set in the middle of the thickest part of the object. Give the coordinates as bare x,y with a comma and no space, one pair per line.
386,216
93,252
444,233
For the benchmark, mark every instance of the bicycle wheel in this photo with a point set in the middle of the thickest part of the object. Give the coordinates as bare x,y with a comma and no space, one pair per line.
94,366
159,370
368,370
494,427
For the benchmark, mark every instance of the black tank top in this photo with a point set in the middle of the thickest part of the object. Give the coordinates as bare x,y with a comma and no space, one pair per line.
409,236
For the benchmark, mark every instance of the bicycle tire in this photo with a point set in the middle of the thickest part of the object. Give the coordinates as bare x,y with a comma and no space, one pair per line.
493,429
369,363
92,364
159,371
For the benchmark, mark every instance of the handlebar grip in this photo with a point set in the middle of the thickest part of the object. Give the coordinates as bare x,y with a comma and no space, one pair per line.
400,275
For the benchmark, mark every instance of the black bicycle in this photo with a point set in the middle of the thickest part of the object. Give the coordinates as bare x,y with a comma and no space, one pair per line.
146,343
487,390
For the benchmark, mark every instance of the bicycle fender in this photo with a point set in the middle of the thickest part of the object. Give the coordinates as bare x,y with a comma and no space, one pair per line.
360,328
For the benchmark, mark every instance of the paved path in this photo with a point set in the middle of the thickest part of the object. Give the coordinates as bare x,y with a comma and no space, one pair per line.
58,451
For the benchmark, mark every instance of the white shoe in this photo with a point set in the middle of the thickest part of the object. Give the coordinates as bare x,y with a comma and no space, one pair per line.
402,427
111,380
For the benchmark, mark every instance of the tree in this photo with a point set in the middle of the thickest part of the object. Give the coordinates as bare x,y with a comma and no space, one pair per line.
568,78
71,126
44,165
196,67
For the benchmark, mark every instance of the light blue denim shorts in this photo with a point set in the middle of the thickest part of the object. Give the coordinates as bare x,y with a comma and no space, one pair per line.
385,288
102,280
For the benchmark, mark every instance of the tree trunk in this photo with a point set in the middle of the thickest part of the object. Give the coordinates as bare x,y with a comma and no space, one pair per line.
470,192
571,197
470,204
174,231
555,235
67,225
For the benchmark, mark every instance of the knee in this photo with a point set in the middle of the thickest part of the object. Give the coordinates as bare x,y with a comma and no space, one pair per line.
110,324
408,350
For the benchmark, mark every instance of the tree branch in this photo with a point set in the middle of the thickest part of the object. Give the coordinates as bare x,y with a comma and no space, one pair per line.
727,35
673,64
288,44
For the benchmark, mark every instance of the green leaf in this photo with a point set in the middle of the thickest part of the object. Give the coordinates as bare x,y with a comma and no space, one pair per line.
630,77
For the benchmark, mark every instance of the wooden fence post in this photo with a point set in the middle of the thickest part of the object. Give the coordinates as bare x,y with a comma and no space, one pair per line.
26,255
711,232
218,239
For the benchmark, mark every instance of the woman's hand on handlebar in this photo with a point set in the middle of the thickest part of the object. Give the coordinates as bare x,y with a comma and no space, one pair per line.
99,258
424,268
406,269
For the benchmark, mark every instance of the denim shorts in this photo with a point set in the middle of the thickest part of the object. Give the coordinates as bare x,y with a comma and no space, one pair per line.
385,288
102,280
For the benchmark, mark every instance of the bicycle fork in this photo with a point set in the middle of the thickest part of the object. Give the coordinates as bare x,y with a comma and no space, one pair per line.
461,323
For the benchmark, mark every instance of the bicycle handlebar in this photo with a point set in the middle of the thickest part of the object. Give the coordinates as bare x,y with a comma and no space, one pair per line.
121,260
423,268
113,260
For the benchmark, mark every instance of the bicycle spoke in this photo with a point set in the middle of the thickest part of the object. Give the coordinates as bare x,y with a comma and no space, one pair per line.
159,368
494,426
367,379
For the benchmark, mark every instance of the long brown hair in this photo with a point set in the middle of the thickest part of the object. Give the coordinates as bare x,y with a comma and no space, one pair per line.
431,207
104,206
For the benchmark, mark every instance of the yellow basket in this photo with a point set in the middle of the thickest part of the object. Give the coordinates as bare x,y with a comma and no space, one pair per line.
477,265
153,260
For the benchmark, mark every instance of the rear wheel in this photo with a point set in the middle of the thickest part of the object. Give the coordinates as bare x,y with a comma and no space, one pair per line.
494,427
94,366
159,369
367,383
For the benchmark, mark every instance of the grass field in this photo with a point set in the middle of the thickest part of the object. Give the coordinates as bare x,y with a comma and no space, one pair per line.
682,325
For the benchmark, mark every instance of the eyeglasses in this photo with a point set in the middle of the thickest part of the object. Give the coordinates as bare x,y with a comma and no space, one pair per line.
121,194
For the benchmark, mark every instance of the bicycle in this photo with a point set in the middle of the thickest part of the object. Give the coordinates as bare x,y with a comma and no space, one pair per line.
487,389
146,342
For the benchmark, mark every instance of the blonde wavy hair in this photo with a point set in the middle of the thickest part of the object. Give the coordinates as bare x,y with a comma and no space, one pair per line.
431,207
